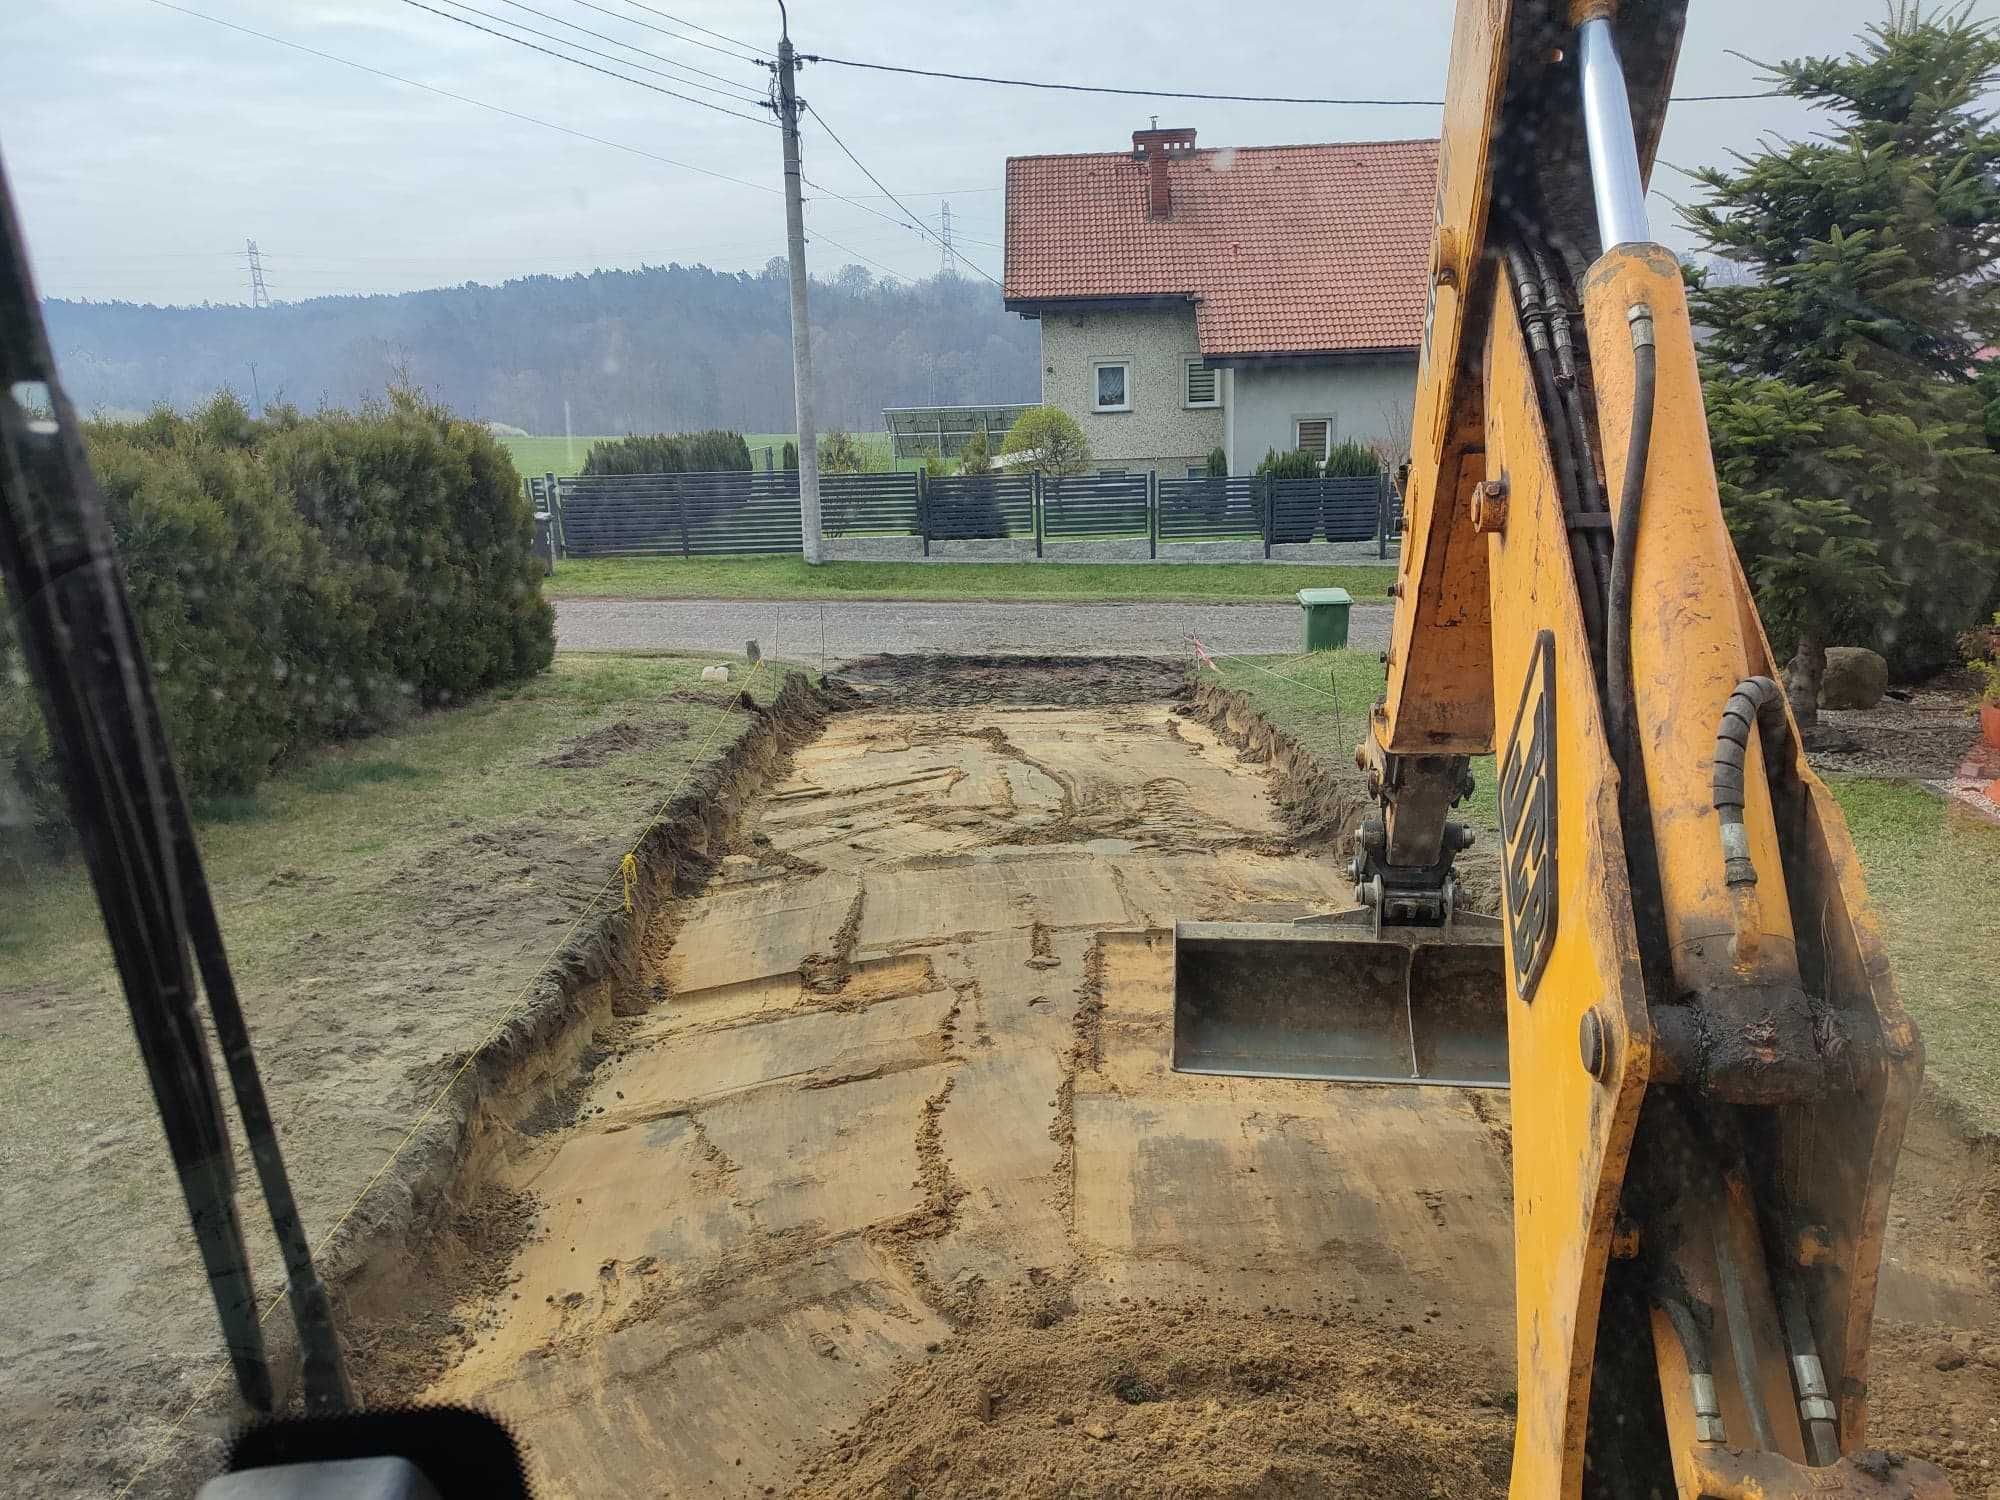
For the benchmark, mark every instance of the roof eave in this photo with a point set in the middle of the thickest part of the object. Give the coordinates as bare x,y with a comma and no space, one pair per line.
1035,307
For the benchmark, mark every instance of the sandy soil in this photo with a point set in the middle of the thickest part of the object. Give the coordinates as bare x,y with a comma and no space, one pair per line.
879,1183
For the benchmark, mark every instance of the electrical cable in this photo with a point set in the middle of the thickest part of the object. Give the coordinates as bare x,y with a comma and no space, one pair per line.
918,223
429,88
742,90
1094,88
565,57
750,47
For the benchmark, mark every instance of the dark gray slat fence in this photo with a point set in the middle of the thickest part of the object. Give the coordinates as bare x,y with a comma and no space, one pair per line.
1096,505
689,514
1341,510
1211,510
869,504
966,507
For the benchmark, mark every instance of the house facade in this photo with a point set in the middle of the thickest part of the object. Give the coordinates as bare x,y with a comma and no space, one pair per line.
1248,299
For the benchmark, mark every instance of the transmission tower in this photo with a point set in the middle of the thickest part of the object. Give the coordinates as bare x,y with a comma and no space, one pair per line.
258,296
947,257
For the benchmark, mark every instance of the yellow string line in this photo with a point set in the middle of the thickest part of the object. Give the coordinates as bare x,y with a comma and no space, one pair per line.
1333,697
630,860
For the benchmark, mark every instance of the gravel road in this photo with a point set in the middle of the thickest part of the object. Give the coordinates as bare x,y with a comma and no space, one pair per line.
845,630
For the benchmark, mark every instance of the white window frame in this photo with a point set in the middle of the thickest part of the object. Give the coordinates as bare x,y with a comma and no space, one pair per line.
1189,366
1298,443
1123,362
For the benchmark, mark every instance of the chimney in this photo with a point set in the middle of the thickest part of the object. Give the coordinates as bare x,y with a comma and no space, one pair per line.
1156,147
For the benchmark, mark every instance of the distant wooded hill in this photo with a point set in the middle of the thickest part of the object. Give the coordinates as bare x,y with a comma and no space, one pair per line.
661,349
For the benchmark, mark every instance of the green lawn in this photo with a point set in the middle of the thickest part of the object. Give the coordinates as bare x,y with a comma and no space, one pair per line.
1933,868
786,577
331,841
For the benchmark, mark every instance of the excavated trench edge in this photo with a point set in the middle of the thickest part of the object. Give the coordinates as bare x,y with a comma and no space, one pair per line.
372,1258
1316,807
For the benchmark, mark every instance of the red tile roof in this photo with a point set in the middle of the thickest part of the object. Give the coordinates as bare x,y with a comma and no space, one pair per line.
1285,249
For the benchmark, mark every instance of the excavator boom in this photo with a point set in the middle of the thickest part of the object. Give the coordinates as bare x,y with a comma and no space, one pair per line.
1709,1063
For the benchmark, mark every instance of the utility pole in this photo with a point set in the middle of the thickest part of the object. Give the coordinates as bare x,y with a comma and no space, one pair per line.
258,296
256,391
795,254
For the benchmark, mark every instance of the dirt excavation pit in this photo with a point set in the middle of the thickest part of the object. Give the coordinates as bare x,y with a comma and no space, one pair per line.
876,1181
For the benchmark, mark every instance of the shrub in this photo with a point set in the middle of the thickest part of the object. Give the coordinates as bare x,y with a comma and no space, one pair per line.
1298,464
839,453
299,579
670,453
1051,434
1218,464
974,457
1352,460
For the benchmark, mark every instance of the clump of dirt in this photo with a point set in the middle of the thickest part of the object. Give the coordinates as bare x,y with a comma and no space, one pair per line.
612,740
401,1337
827,973
959,681
1934,1393
1187,1401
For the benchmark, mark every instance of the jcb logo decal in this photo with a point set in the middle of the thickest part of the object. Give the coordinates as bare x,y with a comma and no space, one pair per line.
1528,821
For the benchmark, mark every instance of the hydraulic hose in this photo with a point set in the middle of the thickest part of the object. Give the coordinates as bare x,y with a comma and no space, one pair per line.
1638,448
1590,489
1756,699
1527,291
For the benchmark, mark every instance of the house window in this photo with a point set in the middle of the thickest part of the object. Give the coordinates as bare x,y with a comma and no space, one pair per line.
1112,473
1111,385
1204,385
1313,434
1197,471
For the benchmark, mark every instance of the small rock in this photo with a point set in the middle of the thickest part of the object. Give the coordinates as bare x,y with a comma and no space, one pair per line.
1945,1357
1099,1431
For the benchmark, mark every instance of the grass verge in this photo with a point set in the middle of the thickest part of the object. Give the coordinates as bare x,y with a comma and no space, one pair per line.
792,578
1933,868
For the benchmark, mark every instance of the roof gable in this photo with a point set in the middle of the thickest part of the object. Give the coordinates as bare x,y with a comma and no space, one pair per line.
1285,249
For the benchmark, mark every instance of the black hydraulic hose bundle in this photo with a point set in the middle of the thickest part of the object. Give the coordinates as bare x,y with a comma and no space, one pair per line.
82,649
1562,438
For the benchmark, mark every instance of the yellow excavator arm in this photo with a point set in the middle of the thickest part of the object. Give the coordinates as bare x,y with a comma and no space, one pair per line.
1686,993
1710,1066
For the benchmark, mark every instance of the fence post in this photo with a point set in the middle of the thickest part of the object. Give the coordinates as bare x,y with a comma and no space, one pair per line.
1381,517
552,492
1153,514
924,510
1035,508
679,492
1270,487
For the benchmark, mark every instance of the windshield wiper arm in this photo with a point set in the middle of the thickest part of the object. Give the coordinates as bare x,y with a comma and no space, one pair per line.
83,652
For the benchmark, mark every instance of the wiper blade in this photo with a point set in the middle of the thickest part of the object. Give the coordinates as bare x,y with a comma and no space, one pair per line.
83,652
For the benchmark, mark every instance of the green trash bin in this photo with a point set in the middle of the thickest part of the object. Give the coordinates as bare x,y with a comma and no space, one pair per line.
1326,617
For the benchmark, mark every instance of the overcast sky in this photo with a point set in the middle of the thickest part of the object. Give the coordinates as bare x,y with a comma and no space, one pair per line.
146,145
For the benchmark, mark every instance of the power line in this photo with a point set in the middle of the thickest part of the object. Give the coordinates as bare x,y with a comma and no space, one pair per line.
829,239
512,114
743,91
565,57
754,51
889,195
1098,88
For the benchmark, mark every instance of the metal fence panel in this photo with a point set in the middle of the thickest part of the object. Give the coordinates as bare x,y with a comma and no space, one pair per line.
690,514
868,504
1211,510
1095,505
1340,510
962,507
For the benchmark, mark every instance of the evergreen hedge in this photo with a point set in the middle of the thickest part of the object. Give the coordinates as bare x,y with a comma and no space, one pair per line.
296,580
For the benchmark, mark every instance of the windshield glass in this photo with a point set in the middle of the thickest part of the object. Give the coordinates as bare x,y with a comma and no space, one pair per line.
1005,754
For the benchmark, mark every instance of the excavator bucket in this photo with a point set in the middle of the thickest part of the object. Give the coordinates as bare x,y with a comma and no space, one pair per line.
1338,999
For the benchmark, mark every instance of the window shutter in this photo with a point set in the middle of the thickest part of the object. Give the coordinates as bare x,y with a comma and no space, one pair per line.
1312,436
1200,385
